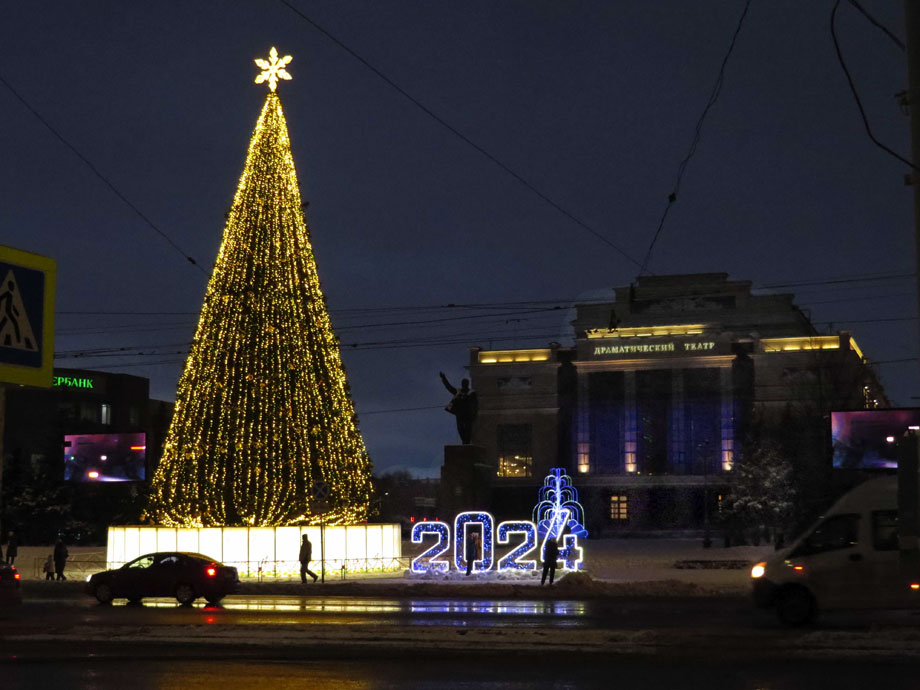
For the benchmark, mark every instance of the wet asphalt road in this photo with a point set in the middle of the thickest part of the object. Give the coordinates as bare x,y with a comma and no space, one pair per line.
695,627
630,614
453,674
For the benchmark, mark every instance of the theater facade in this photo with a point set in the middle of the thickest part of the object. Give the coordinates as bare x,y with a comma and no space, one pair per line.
651,405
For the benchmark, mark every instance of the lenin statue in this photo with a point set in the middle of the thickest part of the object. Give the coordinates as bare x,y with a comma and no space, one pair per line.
464,406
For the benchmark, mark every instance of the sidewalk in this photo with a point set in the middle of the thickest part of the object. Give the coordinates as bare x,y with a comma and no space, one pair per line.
612,567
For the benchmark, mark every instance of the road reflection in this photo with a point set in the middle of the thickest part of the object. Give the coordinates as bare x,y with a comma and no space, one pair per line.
461,612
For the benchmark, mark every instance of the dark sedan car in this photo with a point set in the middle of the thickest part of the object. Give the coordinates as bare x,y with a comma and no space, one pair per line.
185,576
10,586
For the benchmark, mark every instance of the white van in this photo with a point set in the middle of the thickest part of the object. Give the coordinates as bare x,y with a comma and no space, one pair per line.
849,559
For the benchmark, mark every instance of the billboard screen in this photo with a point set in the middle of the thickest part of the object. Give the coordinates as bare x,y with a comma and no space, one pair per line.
868,439
105,457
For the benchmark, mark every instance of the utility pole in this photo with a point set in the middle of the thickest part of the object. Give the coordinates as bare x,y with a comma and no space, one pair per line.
908,466
912,35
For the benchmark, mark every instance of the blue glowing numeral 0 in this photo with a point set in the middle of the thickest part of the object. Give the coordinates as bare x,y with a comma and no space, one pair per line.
427,561
510,561
472,518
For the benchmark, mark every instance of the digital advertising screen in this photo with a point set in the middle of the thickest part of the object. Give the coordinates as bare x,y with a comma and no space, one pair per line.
105,457
868,439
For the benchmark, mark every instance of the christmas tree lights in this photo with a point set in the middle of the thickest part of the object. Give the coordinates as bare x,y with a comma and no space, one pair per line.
263,408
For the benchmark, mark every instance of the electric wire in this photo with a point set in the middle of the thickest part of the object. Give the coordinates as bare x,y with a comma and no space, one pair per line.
859,105
875,22
464,138
108,183
697,133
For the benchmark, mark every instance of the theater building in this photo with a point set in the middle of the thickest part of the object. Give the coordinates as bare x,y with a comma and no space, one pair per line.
649,408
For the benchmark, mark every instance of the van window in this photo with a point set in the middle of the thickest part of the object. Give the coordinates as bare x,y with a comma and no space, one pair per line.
838,532
885,530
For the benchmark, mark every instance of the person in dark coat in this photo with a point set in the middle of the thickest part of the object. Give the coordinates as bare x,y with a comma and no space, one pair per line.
306,555
12,547
464,406
60,558
550,556
472,551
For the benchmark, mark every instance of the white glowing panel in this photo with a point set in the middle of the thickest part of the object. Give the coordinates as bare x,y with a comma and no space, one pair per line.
355,544
374,541
166,539
147,540
187,540
132,543
236,546
211,542
262,546
275,549
116,545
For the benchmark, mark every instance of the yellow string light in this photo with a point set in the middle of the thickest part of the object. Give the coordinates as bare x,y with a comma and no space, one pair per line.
262,407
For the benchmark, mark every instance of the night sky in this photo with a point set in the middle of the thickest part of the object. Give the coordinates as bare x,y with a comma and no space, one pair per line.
593,102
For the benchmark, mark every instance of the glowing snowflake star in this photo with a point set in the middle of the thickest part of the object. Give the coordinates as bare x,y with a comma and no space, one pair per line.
273,70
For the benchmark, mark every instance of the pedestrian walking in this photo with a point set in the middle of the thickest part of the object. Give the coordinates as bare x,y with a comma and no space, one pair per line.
306,555
12,547
48,568
472,551
550,556
60,558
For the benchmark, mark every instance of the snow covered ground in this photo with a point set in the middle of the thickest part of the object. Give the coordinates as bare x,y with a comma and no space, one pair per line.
647,564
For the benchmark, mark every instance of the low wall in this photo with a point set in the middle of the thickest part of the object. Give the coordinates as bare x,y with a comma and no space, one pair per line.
266,551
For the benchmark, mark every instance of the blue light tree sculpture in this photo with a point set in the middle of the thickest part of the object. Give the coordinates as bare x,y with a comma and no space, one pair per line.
559,514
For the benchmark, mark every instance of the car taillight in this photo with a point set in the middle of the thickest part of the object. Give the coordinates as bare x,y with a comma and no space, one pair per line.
16,576
212,572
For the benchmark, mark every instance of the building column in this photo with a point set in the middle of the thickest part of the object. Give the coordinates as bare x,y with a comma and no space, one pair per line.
677,434
727,454
583,425
630,423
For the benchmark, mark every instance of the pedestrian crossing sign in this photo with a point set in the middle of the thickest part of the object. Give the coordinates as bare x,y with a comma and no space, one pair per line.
27,287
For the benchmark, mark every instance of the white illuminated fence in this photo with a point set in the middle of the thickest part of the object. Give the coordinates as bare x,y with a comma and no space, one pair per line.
266,551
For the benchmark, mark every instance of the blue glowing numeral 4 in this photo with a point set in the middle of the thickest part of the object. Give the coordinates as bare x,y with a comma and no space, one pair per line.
570,553
511,560
460,540
427,560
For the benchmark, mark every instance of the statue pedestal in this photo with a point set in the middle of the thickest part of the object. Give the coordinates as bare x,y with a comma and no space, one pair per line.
466,480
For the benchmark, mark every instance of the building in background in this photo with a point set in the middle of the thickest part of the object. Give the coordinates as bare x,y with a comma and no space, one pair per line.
41,496
650,408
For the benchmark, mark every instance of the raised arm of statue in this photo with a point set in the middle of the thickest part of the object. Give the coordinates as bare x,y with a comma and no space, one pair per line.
450,388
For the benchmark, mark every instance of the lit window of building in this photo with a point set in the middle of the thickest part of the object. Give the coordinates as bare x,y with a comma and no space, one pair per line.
619,508
515,458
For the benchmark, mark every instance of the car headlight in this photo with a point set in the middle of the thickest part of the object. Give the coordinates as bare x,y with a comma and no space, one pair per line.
758,570
89,577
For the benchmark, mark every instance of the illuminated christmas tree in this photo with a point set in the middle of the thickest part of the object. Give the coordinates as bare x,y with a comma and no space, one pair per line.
263,410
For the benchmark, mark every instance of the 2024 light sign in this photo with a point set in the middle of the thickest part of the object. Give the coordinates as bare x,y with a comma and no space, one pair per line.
558,516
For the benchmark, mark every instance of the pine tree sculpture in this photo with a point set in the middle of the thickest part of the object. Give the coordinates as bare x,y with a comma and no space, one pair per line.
263,411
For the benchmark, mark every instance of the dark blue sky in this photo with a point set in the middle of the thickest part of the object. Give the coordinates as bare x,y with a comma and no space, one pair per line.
593,102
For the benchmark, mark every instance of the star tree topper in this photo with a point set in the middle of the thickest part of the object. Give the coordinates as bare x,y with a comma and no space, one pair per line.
273,69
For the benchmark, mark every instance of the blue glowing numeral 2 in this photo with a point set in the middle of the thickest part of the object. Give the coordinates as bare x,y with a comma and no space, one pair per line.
426,561
511,561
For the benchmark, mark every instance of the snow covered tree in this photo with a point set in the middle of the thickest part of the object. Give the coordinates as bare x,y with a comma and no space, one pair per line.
761,491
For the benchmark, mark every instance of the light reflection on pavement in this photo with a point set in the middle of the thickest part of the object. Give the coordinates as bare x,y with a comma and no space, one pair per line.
346,610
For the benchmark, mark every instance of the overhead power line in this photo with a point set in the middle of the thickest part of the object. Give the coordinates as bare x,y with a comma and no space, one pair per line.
697,132
460,135
862,111
875,22
108,183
